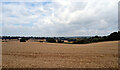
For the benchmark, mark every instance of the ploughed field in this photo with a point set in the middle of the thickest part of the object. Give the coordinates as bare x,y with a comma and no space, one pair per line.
53,55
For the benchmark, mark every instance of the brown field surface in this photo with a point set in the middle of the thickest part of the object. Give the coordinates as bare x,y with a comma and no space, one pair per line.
54,55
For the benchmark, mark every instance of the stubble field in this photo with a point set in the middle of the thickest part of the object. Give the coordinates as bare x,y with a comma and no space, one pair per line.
53,55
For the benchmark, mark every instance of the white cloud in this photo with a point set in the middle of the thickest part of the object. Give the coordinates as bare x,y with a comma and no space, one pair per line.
60,18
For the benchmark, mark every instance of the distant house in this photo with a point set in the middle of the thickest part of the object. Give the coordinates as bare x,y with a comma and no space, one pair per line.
19,38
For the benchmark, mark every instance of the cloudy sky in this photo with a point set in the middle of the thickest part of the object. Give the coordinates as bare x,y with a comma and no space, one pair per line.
59,18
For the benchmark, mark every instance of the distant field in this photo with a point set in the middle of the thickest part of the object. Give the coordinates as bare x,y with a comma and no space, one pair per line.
54,55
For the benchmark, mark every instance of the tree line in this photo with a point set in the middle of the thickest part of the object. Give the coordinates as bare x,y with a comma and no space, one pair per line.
112,37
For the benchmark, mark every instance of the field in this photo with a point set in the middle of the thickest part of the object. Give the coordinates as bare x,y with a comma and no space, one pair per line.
54,55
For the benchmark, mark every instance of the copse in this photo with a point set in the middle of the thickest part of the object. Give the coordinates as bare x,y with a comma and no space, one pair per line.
114,36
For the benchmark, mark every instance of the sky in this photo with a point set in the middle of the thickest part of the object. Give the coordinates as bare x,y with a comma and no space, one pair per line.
59,18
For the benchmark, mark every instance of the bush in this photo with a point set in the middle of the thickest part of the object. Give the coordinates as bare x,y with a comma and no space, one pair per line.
23,40
52,40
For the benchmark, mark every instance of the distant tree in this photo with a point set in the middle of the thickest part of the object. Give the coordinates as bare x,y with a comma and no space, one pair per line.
52,40
96,36
95,40
105,38
114,36
81,41
71,39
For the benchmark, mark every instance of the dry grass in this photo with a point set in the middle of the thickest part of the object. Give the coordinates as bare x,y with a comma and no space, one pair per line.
53,55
